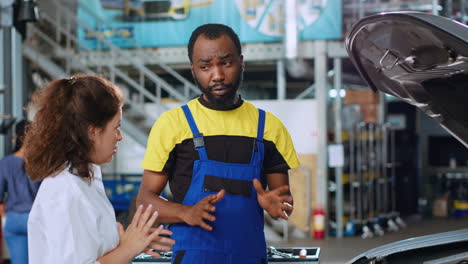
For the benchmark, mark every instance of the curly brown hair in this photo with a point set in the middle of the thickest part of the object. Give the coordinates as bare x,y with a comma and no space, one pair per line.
58,136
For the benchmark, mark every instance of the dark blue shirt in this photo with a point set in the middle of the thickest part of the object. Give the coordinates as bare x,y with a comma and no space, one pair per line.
14,181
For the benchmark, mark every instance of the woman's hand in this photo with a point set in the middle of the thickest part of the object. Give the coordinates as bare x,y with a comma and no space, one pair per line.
159,243
141,237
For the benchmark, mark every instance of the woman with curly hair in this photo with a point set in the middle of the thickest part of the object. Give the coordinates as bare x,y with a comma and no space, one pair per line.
76,129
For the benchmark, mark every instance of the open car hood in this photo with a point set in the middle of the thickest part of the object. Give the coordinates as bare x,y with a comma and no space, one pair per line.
443,248
420,58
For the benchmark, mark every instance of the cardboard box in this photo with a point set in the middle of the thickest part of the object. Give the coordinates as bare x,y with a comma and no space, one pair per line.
361,96
297,180
440,206
370,112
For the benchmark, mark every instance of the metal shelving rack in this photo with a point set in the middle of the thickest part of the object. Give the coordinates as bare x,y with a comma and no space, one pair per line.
369,190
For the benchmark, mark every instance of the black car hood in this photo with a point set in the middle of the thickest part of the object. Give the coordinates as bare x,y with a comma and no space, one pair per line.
420,58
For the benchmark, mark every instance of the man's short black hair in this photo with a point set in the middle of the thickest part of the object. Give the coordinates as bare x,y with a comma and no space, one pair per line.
213,31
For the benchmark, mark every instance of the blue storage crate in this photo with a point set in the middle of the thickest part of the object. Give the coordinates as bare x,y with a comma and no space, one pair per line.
121,192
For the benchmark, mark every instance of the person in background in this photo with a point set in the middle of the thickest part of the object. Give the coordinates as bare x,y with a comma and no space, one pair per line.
218,153
76,129
19,193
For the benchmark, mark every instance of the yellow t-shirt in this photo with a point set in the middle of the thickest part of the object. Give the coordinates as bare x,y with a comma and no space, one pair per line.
229,137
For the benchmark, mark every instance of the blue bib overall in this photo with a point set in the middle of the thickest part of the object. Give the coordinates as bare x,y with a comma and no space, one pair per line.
237,235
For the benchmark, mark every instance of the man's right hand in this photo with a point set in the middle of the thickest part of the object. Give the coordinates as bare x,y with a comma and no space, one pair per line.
196,215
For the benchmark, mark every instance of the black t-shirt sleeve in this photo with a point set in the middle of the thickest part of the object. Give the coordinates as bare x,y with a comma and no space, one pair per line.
273,161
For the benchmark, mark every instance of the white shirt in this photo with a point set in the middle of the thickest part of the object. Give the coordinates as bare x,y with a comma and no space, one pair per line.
71,221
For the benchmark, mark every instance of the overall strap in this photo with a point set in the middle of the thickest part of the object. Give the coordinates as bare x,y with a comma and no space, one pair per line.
261,125
198,141
258,148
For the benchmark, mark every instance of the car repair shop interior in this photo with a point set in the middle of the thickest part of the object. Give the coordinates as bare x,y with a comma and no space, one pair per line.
376,167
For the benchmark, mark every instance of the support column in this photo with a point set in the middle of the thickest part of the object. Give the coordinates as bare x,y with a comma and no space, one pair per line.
338,140
435,5
18,89
281,80
11,73
7,82
448,8
381,110
320,74
463,11
2,90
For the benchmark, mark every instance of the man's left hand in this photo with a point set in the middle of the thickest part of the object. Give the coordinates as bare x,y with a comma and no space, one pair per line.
277,202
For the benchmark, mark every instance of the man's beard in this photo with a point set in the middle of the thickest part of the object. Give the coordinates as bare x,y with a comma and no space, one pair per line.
226,100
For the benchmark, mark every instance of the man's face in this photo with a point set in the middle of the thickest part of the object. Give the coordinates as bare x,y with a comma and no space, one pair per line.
217,69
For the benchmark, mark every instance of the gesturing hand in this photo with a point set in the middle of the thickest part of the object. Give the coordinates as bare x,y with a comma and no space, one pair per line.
159,243
276,202
196,215
139,234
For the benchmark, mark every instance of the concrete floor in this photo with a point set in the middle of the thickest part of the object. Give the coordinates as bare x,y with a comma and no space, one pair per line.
339,251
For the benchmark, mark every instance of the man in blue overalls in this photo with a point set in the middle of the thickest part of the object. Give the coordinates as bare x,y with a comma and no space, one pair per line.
218,153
